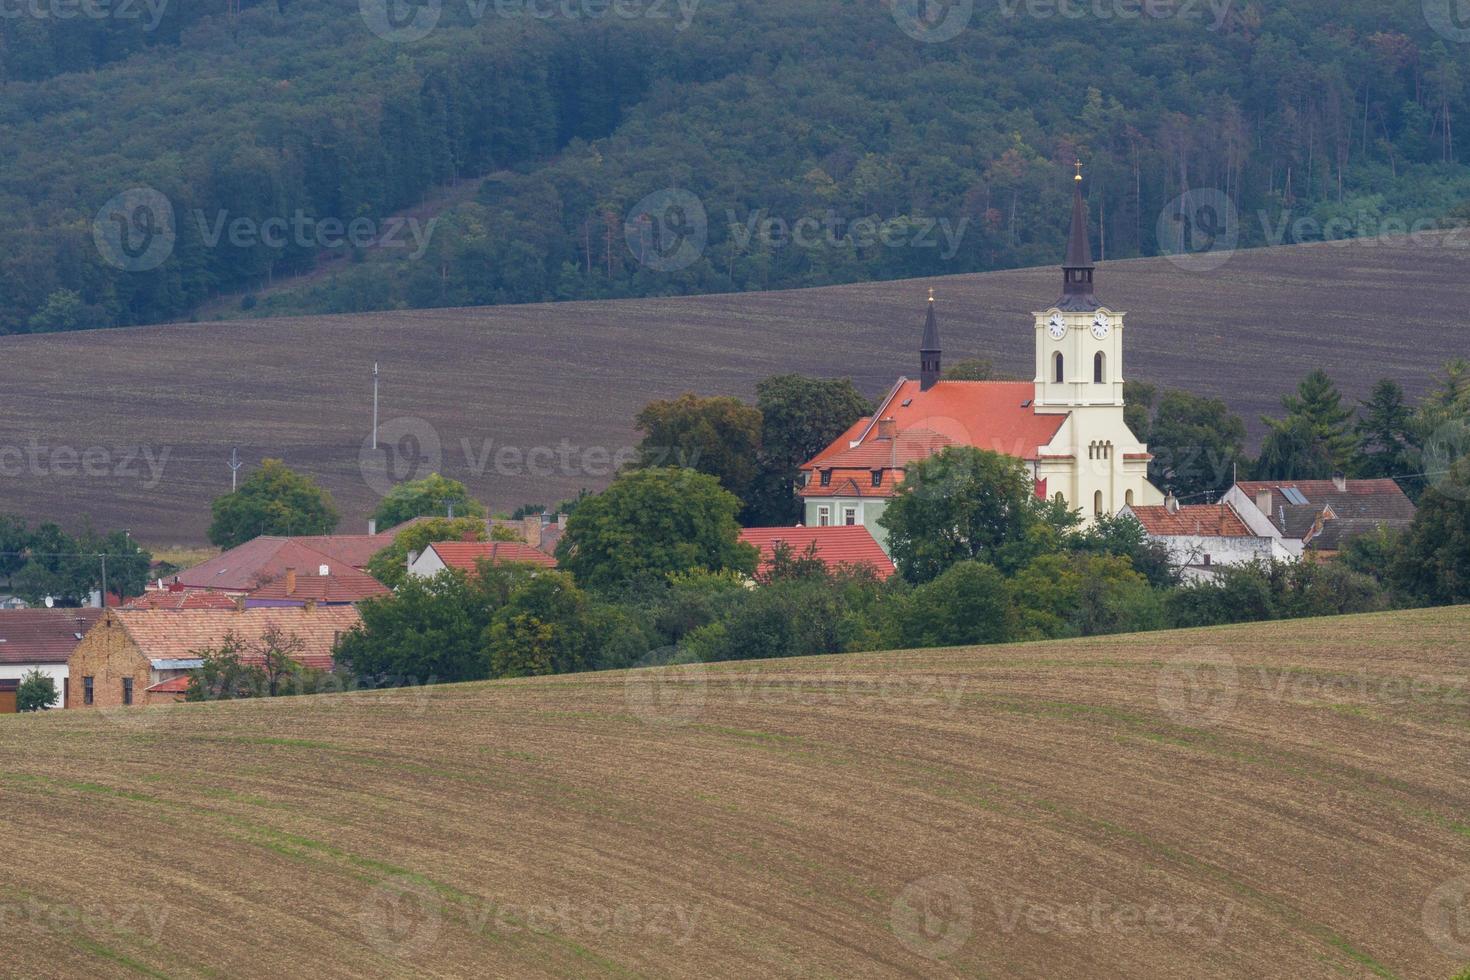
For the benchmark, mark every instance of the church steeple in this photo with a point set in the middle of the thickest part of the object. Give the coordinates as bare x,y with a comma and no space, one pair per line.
1077,267
929,354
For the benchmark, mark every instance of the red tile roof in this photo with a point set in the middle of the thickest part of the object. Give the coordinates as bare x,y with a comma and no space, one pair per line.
254,563
465,555
838,545
1201,520
174,685
181,598
42,636
183,634
341,586
994,415
353,549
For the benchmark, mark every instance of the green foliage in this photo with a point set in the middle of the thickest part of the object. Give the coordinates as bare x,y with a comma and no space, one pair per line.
719,436
550,626
968,603
1083,595
1123,535
793,617
1314,441
431,630
266,668
70,568
272,500
36,692
1138,407
1387,444
390,566
1274,590
800,417
433,496
972,369
15,537
1434,563
650,524
1196,443
224,675
963,504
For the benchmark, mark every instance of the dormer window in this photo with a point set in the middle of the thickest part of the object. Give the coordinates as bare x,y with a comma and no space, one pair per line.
877,478
826,478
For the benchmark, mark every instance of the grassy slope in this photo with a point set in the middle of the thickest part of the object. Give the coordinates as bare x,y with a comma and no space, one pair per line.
780,808
533,376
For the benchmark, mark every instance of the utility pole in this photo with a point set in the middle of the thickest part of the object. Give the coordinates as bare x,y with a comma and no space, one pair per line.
375,404
104,580
235,465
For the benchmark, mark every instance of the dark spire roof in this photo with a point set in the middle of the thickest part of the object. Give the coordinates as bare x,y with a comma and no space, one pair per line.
1077,267
931,328
929,353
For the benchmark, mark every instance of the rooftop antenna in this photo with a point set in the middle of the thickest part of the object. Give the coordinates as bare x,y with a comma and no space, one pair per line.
234,465
375,404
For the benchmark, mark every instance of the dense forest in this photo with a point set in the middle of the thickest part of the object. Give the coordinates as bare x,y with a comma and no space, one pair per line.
899,157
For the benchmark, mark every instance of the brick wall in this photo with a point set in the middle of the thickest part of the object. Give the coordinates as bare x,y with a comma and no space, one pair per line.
107,655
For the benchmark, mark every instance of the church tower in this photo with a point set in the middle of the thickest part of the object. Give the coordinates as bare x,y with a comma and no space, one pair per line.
1094,461
929,359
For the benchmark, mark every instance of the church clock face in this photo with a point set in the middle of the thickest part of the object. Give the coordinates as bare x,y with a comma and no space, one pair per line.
1100,327
1056,327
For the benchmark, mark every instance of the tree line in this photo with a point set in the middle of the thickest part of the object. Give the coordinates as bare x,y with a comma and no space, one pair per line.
806,110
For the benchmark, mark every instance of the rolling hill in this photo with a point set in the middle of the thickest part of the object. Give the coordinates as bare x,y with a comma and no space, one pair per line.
1285,799
481,388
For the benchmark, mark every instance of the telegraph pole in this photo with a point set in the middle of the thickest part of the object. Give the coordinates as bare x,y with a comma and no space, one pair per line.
375,404
235,465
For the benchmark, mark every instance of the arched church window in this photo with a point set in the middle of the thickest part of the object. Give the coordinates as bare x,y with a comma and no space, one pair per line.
1057,365
1128,497
1099,371
1097,503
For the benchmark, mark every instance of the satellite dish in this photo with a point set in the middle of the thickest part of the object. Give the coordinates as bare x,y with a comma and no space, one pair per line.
50,602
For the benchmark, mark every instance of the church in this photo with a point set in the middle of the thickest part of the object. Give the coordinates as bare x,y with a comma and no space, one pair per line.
1066,424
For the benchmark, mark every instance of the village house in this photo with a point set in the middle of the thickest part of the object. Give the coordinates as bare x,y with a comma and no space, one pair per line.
466,556
834,546
1066,424
1317,518
327,587
39,639
245,568
1201,538
144,656
541,531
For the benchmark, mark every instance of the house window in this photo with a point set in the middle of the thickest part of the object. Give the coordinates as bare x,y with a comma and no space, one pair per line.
877,478
824,516
826,478
1097,503
849,516
1098,372
1056,361
1207,561
86,690
127,690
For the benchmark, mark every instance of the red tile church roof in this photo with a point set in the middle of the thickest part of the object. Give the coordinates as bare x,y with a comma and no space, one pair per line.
993,415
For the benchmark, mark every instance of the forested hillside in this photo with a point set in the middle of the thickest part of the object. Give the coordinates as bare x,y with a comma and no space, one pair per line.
808,114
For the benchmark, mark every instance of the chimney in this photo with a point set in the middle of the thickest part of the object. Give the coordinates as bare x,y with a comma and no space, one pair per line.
1171,504
888,428
239,603
290,580
1263,502
531,530
1339,480
372,525
561,521
308,607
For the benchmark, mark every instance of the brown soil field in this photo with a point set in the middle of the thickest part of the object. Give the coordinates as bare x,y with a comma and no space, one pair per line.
1277,800
529,403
